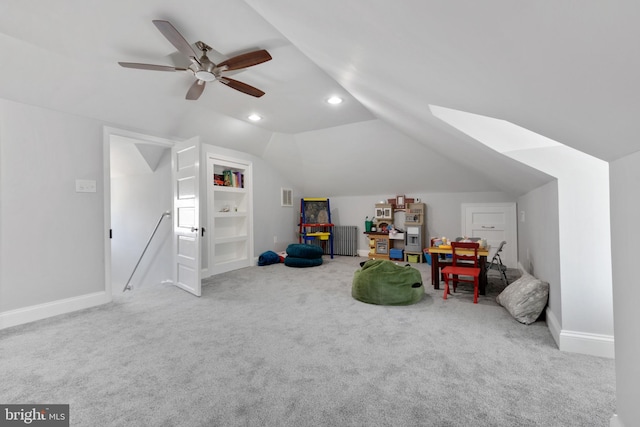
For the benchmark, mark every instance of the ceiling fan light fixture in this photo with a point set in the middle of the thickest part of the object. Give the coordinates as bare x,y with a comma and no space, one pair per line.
254,117
334,100
205,76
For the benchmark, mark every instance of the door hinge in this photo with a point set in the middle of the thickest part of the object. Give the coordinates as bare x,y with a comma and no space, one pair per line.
111,233
202,231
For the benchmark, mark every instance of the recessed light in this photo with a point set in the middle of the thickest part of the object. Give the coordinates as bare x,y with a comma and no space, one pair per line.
334,100
254,117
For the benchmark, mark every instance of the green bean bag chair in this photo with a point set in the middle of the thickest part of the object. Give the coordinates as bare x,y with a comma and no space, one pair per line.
384,282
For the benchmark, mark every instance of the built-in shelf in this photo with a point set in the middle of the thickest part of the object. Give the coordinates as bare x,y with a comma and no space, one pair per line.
230,239
230,214
225,189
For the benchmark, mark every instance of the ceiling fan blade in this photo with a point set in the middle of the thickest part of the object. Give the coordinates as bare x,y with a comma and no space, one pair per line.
150,66
176,39
246,60
242,87
196,90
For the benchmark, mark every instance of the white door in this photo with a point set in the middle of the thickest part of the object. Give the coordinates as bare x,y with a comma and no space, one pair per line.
185,163
495,222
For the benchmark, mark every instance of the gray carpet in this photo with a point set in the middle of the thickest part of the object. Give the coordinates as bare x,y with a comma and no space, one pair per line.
280,346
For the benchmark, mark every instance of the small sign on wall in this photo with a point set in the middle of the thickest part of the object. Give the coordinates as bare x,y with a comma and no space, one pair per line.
85,186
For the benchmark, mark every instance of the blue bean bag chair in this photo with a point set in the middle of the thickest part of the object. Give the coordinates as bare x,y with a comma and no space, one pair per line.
301,255
268,258
384,282
300,250
291,261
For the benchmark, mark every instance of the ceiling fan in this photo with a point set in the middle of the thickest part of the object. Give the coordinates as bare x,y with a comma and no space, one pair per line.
201,67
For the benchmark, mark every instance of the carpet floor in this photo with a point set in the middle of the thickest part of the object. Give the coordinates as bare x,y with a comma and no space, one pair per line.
281,346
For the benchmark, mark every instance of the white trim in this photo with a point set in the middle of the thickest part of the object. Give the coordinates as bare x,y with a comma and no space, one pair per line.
53,308
212,158
553,325
580,342
106,179
615,421
590,344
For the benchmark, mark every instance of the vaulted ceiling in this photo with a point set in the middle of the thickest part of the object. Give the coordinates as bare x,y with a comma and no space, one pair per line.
565,69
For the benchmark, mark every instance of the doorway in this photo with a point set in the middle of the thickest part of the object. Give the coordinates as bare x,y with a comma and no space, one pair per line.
137,197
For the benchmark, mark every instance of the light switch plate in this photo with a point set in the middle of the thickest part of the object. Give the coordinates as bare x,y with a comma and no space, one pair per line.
85,186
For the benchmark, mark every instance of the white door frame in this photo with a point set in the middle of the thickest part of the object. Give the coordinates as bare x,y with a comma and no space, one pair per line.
107,133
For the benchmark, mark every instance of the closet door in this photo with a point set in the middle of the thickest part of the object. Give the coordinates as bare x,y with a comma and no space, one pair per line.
495,222
186,215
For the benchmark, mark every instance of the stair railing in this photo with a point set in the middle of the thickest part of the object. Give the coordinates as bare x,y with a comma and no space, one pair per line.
127,286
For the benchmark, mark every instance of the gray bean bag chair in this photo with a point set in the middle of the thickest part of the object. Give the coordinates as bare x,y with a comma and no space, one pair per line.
384,282
525,299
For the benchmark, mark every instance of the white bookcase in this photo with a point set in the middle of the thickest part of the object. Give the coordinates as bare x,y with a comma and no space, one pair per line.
230,215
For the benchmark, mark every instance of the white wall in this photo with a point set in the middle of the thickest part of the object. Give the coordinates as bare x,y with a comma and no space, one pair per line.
52,245
137,201
444,212
52,239
538,244
584,234
625,235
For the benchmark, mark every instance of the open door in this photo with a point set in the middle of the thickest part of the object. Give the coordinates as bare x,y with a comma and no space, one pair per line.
185,163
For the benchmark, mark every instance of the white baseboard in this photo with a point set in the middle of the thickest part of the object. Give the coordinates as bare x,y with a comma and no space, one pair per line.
363,253
49,309
591,344
580,342
553,325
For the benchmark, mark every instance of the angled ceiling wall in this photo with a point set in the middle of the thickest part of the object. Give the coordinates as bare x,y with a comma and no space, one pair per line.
564,72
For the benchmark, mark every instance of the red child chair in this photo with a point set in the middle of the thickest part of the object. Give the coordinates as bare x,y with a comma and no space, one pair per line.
464,263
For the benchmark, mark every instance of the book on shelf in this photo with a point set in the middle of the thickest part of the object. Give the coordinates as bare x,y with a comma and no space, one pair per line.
233,179
227,178
218,179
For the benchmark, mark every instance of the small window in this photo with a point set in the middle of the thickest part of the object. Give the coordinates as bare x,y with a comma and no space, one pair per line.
286,197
